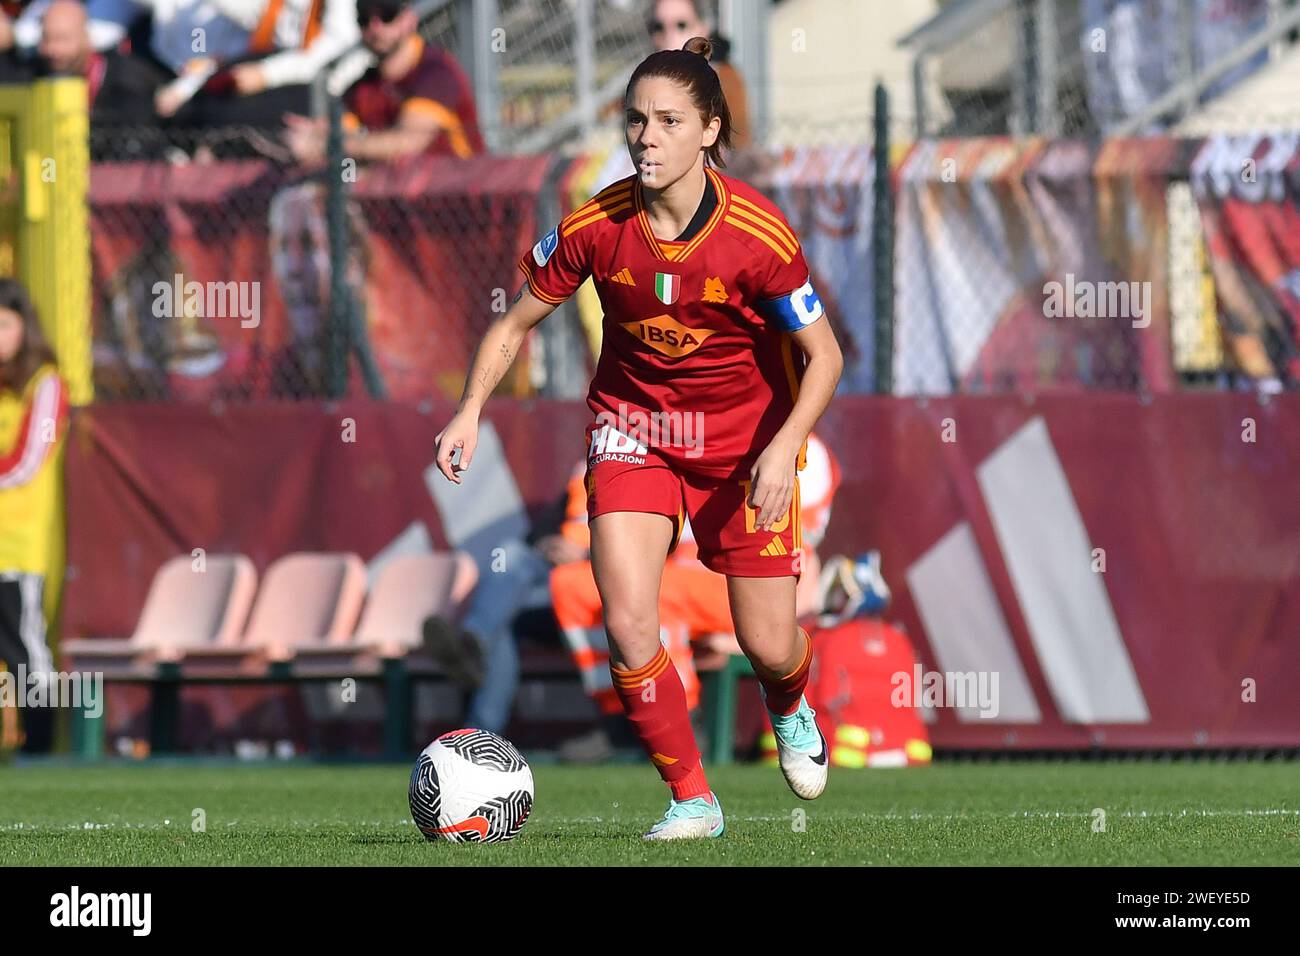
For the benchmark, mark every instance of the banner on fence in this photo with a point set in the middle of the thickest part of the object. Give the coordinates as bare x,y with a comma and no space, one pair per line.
1088,570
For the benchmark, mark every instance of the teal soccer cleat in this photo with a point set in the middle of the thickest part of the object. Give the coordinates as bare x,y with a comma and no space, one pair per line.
691,819
802,750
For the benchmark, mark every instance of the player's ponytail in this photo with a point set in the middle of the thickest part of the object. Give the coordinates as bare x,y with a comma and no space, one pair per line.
690,67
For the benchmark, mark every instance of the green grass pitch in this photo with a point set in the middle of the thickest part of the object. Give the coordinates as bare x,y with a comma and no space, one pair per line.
1013,813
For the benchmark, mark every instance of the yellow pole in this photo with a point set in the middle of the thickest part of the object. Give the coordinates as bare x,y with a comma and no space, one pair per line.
45,241
53,153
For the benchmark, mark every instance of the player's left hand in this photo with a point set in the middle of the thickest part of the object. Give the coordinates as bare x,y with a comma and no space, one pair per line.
771,488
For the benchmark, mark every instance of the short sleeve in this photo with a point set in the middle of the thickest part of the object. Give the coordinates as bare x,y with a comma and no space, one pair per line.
558,264
785,297
439,81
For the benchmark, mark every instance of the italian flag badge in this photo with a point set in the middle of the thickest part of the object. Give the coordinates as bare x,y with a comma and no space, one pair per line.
667,286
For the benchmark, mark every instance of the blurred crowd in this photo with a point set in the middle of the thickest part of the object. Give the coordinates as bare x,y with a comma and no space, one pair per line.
235,77
201,79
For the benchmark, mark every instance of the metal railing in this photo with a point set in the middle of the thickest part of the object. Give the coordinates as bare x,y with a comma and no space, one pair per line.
1075,67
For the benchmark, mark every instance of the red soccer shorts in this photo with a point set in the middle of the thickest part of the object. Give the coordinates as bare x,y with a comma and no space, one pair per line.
625,475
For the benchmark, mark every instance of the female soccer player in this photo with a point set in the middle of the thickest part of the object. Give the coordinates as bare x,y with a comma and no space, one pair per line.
703,406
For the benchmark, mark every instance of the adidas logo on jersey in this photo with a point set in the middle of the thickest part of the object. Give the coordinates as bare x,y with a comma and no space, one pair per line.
623,277
774,548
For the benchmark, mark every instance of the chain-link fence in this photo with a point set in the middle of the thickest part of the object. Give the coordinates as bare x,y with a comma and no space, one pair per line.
961,263
563,66
366,280
221,280
1040,248
1094,67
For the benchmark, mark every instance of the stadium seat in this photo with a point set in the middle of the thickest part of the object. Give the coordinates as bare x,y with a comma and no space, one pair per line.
185,609
305,600
408,590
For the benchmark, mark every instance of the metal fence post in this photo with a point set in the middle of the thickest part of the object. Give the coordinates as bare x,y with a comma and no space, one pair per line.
918,93
336,360
1046,114
584,51
882,247
1187,65
347,330
746,22
1021,120
482,67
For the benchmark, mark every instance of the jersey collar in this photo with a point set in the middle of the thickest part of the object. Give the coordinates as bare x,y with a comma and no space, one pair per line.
677,251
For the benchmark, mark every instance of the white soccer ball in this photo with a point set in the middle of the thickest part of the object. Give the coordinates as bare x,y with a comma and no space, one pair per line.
471,786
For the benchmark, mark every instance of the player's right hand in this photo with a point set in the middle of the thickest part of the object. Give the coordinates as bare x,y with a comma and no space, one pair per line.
461,432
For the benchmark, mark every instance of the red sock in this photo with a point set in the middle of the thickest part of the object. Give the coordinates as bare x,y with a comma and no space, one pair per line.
655,703
783,693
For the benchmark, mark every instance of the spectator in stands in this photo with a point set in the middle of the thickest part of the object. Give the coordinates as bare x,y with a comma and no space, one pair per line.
120,88
672,23
33,417
414,99
15,65
20,25
235,62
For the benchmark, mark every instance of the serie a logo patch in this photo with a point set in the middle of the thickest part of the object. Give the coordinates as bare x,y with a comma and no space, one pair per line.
546,247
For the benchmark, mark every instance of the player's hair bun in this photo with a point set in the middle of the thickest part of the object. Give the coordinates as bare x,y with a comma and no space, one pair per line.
701,45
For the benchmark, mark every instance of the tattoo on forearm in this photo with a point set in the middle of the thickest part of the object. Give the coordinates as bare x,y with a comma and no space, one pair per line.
518,295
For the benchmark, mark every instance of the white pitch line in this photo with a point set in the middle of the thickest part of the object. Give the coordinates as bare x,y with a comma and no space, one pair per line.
181,823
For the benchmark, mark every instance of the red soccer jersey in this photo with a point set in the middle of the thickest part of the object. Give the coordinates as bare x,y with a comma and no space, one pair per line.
435,86
695,332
